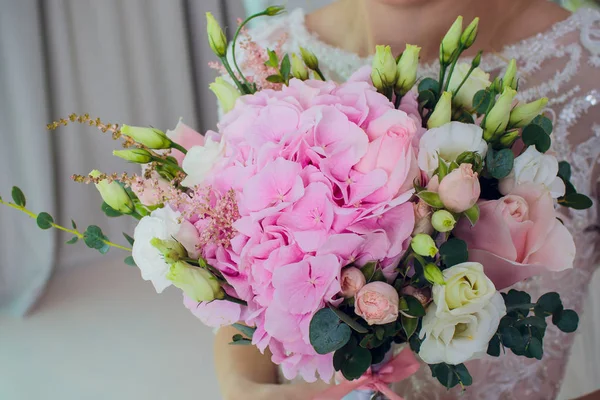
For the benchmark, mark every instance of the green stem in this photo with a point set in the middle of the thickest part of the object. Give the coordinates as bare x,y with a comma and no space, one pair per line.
454,61
320,74
237,32
60,227
463,81
234,300
241,87
398,100
441,80
178,147
420,259
136,215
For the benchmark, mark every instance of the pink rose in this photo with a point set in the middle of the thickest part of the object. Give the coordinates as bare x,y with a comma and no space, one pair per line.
518,236
352,281
377,303
391,150
186,137
422,218
460,190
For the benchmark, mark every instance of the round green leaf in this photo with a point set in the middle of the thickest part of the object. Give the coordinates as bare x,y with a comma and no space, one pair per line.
429,84
44,220
564,170
357,363
576,201
494,346
453,252
534,135
500,163
481,101
18,196
567,321
327,333
535,348
548,304
129,261
544,122
463,374
427,98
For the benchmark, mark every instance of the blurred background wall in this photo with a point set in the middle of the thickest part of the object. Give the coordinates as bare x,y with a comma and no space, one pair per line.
95,330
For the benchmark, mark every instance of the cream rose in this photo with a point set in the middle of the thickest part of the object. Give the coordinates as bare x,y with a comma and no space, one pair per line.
537,168
478,80
467,290
454,339
449,141
200,160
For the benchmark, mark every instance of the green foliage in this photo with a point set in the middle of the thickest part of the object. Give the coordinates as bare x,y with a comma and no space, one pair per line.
246,330
409,325
368,270
73,240
275,79
543,122
273,60
239,340
535,135
109,211
566,320
95,239
499,163
454,251
18,196
286,67
431,198
129,261
482,100
451,375
327,332
128,238
411,306
44,220
429,84
349,321
571,199
472,214
352,360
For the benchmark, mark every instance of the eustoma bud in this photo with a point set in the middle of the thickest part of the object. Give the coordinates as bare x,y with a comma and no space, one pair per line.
171,250
139,156
197,283
407,69
113,194
424,245
309,59
510,76
226,93
442,113
216,37
470,34
433,274
509,138
443,221
523,114
384,72
149,137
299,70
497,119
451,41
274,10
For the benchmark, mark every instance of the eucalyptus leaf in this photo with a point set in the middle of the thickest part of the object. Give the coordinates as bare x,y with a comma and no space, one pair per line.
535,348
327,333
454,251
544,122
348,320
18,196
577,201
94,238
534,135
499,163
129,261
567,321
73,240
481,101
44,220
536,322
246,330
128,238
427,98
429,84
564,171
411,306
357,363
494,346
73,224
548,304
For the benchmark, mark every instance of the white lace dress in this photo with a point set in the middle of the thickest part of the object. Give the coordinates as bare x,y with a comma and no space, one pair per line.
563,64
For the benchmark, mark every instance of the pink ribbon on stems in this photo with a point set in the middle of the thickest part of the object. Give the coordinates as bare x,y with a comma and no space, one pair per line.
397,369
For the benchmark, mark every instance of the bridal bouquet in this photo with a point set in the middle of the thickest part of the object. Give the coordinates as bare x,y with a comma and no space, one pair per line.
330,221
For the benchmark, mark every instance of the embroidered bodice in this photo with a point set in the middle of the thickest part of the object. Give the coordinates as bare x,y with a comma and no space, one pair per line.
562,63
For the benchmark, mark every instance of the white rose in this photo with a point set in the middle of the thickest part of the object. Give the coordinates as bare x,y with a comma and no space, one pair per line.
478,80
199,161
534,167
449,141
467,290
162,224
456,339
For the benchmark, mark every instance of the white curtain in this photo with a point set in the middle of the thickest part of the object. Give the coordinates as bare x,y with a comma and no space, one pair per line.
141,62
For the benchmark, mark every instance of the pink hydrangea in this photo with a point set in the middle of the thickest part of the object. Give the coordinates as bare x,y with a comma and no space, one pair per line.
322,175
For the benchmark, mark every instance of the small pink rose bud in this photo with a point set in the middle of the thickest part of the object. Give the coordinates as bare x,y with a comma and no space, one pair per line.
377,303
422,218
460,189
421,294
352,281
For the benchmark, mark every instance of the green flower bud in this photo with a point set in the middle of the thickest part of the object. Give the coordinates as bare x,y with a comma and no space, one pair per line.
451,41
149,137
299,70
274,10
509,138
477,60
384,73
139,156
523,114
171,250
197,283
309,59
216,37
470,34
433,274
407,69
226,93
423,245
510,76
443,221
442,113
497,119
113,194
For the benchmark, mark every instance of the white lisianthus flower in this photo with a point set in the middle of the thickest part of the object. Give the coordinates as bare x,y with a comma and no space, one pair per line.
534,167
478,80
455,339
200,160
467,290
162,224
449,141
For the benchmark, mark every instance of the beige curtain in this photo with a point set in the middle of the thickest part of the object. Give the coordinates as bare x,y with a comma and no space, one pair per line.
136,62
